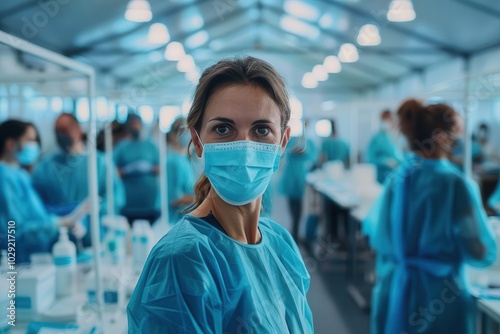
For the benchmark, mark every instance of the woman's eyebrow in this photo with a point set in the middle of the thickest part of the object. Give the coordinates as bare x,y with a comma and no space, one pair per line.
262,121
222,119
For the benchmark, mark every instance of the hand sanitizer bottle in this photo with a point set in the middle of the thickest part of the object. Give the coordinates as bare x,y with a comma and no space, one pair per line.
64,253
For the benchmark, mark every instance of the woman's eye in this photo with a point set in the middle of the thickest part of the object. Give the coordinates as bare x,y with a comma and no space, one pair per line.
222,130
262,131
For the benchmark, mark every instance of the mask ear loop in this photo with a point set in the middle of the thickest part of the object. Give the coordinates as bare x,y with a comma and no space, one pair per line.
201,143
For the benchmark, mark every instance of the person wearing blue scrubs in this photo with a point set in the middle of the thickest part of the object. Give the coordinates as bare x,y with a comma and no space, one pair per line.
222,268
137,161
22,214
61,179
298,160
334,148
427,224
382,150
180,177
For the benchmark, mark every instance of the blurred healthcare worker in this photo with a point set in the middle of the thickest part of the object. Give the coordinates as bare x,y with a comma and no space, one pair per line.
223,268
428,223
22,214
382,150
180,177
137,161
334,148
488,148
61,178
29,166
118,133
298,160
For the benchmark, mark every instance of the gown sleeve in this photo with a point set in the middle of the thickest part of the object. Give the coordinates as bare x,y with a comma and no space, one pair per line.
378,217
35,228
176,293
471,228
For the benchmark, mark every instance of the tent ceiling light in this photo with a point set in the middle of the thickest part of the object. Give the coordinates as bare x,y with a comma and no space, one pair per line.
320,73
348,53
138,11
401,11
302,10
186,64
369,35
332,64
174,51
309,81
158,34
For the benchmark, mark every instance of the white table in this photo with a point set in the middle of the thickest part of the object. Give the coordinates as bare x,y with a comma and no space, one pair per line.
114,316
354,199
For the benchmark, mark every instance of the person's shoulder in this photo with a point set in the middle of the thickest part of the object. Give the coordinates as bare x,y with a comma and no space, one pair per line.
49,158
12,175
173,157
183,241
124,143
149,144
276,229
6,172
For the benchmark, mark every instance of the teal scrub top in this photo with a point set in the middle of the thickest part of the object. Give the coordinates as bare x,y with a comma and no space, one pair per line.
381,151
138,158
295,167
428,223
180,181
34,228
61,180
335,149
199,280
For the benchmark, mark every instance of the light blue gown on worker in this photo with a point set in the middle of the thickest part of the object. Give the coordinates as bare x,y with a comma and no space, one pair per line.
381,151
335,149
494,200
141,188
199,280
296,166
180,181
34,228
61,180
428,223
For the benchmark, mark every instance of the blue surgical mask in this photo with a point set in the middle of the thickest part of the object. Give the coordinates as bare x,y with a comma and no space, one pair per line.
28,154
240,171
64,141
184,139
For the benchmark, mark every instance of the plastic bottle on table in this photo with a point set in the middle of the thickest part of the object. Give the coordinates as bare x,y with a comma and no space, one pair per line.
142,238
64,253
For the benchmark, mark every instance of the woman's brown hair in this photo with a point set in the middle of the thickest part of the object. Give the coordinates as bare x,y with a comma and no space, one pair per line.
420,124
229,72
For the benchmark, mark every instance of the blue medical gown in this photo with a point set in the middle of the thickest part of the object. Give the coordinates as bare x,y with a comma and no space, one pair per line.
428,223
61,180
180,181
141,184
295,167
199,280
335,149
382,151
35,229
494,200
